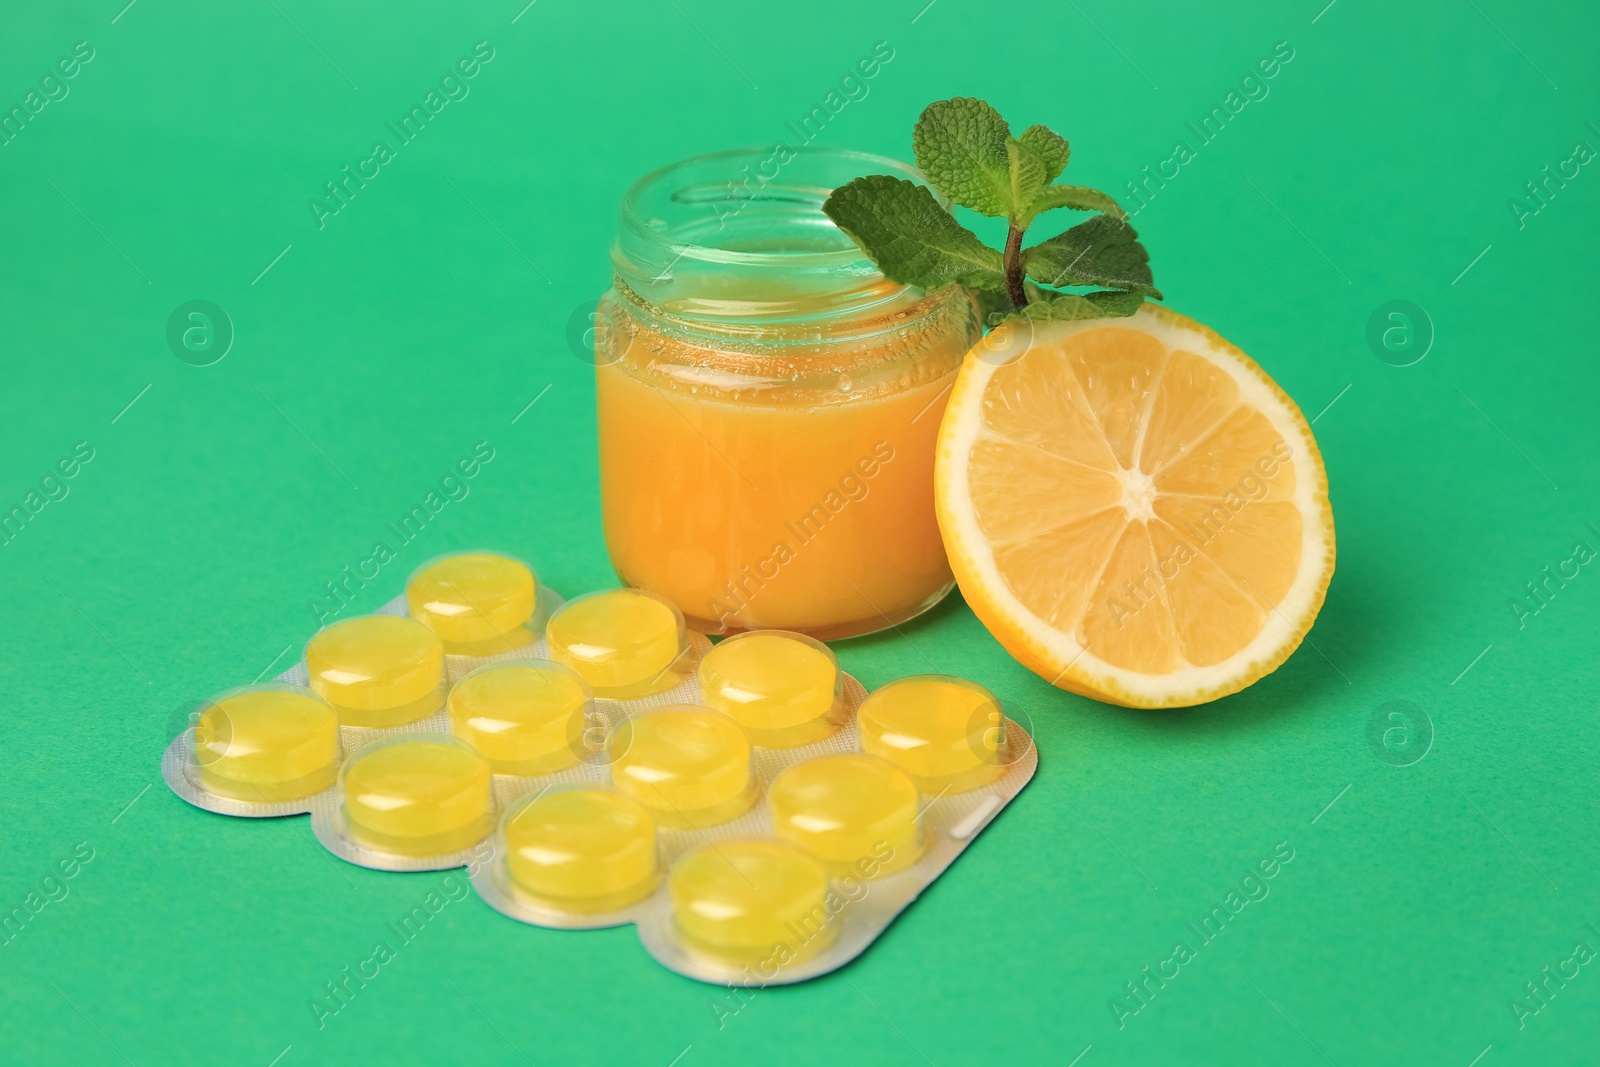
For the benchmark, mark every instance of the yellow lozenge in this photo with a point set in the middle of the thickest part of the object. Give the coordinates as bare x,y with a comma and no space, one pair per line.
689,765
752,901
947,733
377,670
423,795
856,813
783,688
267,743
524,716
477,602
625,642
584,850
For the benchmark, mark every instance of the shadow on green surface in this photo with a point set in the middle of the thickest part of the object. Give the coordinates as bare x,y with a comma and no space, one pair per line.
1321,673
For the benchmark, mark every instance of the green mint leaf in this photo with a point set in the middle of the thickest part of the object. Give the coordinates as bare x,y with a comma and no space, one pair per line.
993,306
960,145
1116,305
911,238
1102,251
968,155
1027,173
1070,307
1077,197
1050,147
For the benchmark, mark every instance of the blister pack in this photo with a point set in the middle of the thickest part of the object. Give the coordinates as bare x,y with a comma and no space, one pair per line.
749,806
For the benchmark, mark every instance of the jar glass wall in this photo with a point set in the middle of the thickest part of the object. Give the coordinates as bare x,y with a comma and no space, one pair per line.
768,402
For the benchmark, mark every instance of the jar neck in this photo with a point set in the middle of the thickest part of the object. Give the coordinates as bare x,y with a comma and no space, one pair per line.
811,361
867,318
735,246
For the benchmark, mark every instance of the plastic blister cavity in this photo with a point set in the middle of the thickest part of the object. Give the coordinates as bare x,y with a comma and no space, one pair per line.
425,796
479,603
784,688
378,670
755,814
849,810
946,732
732,901
382,674
779,877
581,850
689,765
626,643
267,743
526,716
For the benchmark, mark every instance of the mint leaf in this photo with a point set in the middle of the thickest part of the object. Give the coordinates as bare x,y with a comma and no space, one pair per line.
993,306
968,155
1102,251
913,240
1037,159
1050,147
1073,196
1070,307
1027,173
1116,305
1058,307
960,145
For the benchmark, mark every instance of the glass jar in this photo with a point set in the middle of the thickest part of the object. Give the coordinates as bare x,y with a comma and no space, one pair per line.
769,402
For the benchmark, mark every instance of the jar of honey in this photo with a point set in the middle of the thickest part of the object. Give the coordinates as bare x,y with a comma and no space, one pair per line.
769,401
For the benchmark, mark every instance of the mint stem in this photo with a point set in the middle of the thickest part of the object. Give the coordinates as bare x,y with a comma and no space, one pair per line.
1013,268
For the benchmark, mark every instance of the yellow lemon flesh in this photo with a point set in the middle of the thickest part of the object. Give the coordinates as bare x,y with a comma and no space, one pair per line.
1133,508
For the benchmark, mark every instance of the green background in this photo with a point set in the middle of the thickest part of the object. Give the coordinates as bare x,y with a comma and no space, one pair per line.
432,309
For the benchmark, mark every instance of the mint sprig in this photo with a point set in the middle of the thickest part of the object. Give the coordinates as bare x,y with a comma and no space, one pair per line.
966,151
901,222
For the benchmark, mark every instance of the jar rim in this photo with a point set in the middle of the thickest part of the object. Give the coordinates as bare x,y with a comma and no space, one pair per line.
634,221
737,240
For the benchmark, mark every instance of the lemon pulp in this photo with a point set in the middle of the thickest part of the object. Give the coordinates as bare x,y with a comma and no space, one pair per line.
1134,509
